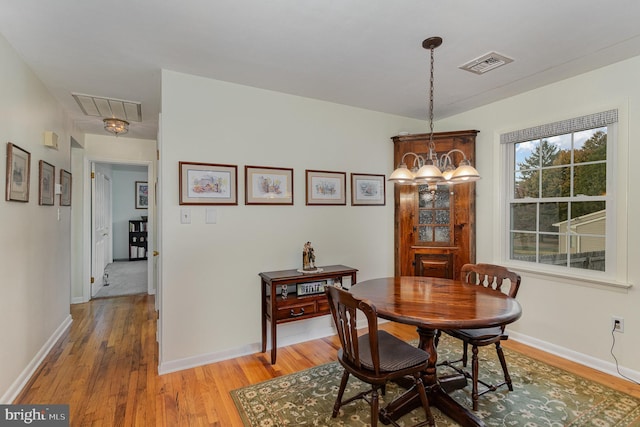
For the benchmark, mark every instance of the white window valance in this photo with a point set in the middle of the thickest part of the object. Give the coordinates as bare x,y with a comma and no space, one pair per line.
576,124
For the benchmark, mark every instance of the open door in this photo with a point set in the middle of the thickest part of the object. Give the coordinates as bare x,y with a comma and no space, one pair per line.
101,249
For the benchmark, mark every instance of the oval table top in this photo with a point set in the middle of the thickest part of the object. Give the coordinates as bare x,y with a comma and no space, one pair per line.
437,303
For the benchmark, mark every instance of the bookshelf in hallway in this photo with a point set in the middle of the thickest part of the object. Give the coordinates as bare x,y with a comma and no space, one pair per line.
137,239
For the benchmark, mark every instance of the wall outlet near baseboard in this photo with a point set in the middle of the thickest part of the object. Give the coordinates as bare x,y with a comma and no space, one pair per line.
617,324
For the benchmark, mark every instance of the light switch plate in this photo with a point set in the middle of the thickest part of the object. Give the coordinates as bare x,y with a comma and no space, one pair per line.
185,216
211,216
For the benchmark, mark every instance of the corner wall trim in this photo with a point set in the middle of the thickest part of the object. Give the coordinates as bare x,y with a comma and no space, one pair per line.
24,377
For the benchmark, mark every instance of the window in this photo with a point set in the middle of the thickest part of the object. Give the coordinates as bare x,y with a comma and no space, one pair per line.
559,199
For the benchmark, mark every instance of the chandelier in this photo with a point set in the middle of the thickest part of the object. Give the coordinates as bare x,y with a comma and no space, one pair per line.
433,170
116,126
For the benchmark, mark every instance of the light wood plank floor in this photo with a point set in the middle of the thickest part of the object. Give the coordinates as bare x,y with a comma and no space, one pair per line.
105,367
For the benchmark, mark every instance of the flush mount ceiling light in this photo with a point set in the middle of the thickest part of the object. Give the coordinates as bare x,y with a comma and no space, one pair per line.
433,170
116,126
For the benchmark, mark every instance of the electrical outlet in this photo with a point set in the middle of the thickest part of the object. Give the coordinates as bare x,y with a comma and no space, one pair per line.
617,324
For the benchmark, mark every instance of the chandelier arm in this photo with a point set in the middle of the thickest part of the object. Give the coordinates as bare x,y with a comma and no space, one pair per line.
446,158
417,158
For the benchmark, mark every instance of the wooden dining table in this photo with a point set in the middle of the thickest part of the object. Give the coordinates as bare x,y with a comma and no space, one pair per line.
430,304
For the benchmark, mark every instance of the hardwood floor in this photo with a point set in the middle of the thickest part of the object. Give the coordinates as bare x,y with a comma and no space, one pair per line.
105,368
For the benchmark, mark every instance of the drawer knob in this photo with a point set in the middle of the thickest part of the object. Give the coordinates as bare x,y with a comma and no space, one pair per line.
292,314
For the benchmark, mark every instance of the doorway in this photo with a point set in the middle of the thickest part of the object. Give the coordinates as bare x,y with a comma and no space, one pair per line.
121,218
110,204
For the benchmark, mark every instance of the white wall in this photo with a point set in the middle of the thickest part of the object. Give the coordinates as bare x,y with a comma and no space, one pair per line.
211,290
567,316
124,206
34,240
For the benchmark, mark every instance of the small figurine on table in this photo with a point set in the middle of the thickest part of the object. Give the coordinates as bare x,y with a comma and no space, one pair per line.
308,257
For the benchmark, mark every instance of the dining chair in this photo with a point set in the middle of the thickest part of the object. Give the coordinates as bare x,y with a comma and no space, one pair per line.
374,357
494,277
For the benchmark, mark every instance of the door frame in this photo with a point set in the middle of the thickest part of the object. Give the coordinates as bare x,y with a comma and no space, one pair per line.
86,215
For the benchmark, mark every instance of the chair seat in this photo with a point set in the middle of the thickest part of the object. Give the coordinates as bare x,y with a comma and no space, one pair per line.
395,354
481,334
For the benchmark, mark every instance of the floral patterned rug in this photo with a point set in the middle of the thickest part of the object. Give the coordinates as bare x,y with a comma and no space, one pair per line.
543,396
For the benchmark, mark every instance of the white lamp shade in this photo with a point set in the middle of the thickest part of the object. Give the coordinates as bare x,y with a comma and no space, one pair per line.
448,173
465,173
429,173
401,174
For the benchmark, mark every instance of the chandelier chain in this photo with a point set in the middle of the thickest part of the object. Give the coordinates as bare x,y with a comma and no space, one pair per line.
432,145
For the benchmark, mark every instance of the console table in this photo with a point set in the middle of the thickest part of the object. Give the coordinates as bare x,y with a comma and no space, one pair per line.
300,302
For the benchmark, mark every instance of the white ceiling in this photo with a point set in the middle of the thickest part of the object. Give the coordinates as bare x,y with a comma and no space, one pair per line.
364,53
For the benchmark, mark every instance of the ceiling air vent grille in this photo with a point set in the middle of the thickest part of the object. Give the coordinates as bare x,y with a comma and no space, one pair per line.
98,106
487,62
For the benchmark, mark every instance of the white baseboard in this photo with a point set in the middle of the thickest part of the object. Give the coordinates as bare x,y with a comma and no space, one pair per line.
295,336
22,380
205,359
574,356
78,300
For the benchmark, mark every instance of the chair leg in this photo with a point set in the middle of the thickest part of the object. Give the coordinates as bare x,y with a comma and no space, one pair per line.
474,376
436,339
343,385
503,362
464,354
425,401
374,407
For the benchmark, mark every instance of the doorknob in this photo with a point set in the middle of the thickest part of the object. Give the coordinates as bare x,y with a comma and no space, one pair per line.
156,253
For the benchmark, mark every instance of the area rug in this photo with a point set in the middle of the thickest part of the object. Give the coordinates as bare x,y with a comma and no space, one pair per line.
543,396
124,278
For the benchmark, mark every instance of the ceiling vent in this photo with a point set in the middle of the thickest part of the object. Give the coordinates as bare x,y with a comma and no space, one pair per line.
97,106
487,62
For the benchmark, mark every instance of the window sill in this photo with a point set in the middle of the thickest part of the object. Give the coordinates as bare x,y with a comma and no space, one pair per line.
573,279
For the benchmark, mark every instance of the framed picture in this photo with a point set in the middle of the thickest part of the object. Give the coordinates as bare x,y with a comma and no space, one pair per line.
367,190
18,173
47,180
208,184
65,185
142,195
268,186
326,187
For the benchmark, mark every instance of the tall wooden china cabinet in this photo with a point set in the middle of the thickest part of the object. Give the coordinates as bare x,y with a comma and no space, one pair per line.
434,232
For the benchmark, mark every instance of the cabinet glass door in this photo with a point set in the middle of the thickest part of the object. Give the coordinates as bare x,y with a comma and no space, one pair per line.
435,214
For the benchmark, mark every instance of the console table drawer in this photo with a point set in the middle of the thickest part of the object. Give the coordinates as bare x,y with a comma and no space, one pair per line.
294,311
323,306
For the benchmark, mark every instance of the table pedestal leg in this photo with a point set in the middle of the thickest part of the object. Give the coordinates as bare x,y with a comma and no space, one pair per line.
437,396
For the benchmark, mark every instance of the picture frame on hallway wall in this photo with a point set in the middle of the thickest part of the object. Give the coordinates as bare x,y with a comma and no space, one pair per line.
264,185
208,184
18,173
142,195
367,190
325,187
46,183
65,185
